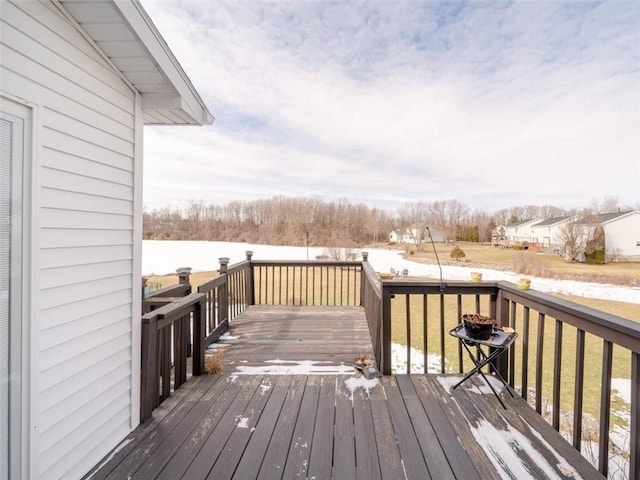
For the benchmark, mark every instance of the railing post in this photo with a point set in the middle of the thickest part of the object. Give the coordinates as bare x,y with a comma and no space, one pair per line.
183,277
223,299
250,287
634,427
144,308
500,306
386,331
149,368
199,332
365,257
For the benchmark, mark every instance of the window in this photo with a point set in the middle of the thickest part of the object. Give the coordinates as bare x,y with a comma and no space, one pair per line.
14,130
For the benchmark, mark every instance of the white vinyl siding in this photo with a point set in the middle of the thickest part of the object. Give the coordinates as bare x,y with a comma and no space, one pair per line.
621,235
85,177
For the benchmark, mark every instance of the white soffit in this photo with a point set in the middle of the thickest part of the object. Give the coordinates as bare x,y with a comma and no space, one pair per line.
127,36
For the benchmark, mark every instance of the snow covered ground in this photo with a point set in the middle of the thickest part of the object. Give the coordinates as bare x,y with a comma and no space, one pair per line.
162,257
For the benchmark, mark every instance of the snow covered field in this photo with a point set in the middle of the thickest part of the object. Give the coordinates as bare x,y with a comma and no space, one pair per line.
162,257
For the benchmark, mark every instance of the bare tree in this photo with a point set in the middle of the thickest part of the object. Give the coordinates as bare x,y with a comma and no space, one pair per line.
447,215
417,216
196,215
606,205
573,237
485,224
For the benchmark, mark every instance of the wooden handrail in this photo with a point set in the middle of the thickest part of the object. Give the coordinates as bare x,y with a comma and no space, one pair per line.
177,290
618,330
372,303
162,329
305,263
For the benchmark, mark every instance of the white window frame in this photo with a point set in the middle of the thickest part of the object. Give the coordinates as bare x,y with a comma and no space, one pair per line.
18,112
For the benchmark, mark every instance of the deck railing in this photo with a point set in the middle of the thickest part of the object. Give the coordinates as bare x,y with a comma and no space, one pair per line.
560,345
170,334
226,296
299,282
559,341
600,342
163,296
372,295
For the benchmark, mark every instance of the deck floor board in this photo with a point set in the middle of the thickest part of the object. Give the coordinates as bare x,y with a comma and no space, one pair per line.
297,463
314,337
321,460
264,430
344,453
331,423
276,456
208,455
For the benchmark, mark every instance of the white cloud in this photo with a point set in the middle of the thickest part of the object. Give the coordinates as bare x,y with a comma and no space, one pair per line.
493,104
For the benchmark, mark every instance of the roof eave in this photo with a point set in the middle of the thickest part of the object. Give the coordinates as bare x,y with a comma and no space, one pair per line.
190,103
173,100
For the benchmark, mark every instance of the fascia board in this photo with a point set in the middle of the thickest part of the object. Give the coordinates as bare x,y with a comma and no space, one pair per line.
161,55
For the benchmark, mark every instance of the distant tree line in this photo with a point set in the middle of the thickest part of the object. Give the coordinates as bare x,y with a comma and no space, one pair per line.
312,221
278,220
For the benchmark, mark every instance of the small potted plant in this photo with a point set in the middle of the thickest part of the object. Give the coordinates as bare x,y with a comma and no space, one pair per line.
524,284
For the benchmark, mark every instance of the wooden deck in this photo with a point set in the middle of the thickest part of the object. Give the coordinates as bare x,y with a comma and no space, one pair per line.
302,340
244,424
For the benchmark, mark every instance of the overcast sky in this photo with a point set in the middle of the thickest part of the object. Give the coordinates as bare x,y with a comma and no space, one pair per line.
493,104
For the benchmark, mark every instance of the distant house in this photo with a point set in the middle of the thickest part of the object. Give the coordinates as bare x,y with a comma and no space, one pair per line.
520,231
79,80
411,233
547,232
621,231
406,235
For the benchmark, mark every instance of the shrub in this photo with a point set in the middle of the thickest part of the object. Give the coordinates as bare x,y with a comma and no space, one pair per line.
529,264
595,247
596,257
457,253
213,362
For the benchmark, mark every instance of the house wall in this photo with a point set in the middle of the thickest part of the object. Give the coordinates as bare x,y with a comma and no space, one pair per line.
84,267
521,232
555,234
548,235
622,236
